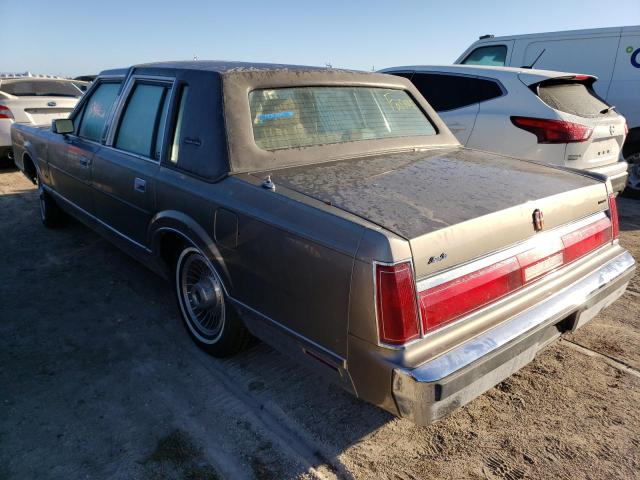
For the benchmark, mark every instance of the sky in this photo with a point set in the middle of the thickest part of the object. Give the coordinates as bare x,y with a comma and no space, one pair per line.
68,37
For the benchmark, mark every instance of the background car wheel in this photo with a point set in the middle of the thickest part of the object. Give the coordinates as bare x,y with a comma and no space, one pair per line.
50,214
210,320
633,181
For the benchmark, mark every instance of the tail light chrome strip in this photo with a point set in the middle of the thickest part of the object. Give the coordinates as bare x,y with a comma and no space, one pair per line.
538,240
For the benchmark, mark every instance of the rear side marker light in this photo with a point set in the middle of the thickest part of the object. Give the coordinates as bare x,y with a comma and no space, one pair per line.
396,304
5,112
553,131
613,216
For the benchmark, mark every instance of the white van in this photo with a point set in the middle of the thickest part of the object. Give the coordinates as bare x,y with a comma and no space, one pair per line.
611,54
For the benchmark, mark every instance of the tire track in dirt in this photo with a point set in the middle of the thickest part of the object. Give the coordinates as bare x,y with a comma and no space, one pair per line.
295,442
615,363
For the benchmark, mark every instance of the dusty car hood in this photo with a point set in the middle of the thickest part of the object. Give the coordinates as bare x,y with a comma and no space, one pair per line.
412,194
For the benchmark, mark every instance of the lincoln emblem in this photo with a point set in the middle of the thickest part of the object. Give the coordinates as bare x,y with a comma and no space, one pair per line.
538,220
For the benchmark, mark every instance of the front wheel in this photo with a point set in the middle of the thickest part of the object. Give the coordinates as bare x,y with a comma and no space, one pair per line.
50,213
210,320
633,180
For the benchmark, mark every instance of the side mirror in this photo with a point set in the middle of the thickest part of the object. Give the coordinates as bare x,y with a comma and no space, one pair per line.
62,126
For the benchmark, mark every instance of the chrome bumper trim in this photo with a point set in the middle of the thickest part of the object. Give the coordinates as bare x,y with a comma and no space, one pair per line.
562,303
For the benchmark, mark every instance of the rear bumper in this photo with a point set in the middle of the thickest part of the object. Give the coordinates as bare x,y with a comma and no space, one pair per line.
616,173
433,389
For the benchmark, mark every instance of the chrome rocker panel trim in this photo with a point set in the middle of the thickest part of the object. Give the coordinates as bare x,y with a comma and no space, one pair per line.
433,389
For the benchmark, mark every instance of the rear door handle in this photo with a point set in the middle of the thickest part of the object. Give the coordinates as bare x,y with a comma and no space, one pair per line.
85,161
140,185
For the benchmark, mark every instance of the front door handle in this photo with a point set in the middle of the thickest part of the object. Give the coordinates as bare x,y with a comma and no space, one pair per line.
85,162
140,185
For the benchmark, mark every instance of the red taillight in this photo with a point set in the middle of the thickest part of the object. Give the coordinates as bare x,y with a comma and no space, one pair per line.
456,298
553,131
5,112
613,216
581,77
450,300
586,239
396,303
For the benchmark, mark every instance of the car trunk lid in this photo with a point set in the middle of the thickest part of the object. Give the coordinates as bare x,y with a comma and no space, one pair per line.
39,110
451,204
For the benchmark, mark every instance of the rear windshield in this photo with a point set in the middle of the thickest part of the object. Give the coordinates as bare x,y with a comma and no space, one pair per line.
41,88
574,98
301,117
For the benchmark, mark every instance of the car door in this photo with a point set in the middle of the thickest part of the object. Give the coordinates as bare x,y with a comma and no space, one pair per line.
70,158
124,170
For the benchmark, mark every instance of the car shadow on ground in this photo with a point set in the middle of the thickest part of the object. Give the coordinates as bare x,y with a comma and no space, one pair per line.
99,368
96,367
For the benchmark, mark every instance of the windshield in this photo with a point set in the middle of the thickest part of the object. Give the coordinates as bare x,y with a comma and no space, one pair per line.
301,117
40,88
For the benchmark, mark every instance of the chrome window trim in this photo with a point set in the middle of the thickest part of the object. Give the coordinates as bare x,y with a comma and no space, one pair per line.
87,96
492,258
116,117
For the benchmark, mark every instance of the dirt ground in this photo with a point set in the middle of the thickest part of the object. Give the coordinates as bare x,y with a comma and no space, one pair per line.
98,379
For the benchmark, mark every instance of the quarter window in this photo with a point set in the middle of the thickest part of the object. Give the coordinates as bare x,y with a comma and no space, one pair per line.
142,121
96,110
448,92
494,55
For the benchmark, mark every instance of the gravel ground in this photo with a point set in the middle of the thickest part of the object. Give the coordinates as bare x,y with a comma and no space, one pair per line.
98,379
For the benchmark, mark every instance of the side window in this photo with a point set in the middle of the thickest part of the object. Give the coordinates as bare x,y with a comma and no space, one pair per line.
494,55
94,114
142,120
175,145
448,92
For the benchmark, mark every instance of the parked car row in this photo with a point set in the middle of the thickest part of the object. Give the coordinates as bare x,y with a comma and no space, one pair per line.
334,215
610,54
550,117
35,101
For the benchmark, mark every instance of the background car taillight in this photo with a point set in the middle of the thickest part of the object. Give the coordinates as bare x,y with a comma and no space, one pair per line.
396,304
613,216
451,300
5,112
553,131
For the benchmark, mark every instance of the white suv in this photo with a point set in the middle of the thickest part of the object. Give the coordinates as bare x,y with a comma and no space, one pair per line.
550,117
35,101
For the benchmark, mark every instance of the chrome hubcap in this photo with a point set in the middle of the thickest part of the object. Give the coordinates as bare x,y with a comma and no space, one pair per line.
202,298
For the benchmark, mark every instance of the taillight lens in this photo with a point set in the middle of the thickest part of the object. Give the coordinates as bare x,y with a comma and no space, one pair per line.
451,300
5,112
582,241
613,216
396,303
553,131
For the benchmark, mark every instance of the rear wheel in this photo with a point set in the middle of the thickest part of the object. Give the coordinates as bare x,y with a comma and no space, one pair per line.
209,319
633,181
50,213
